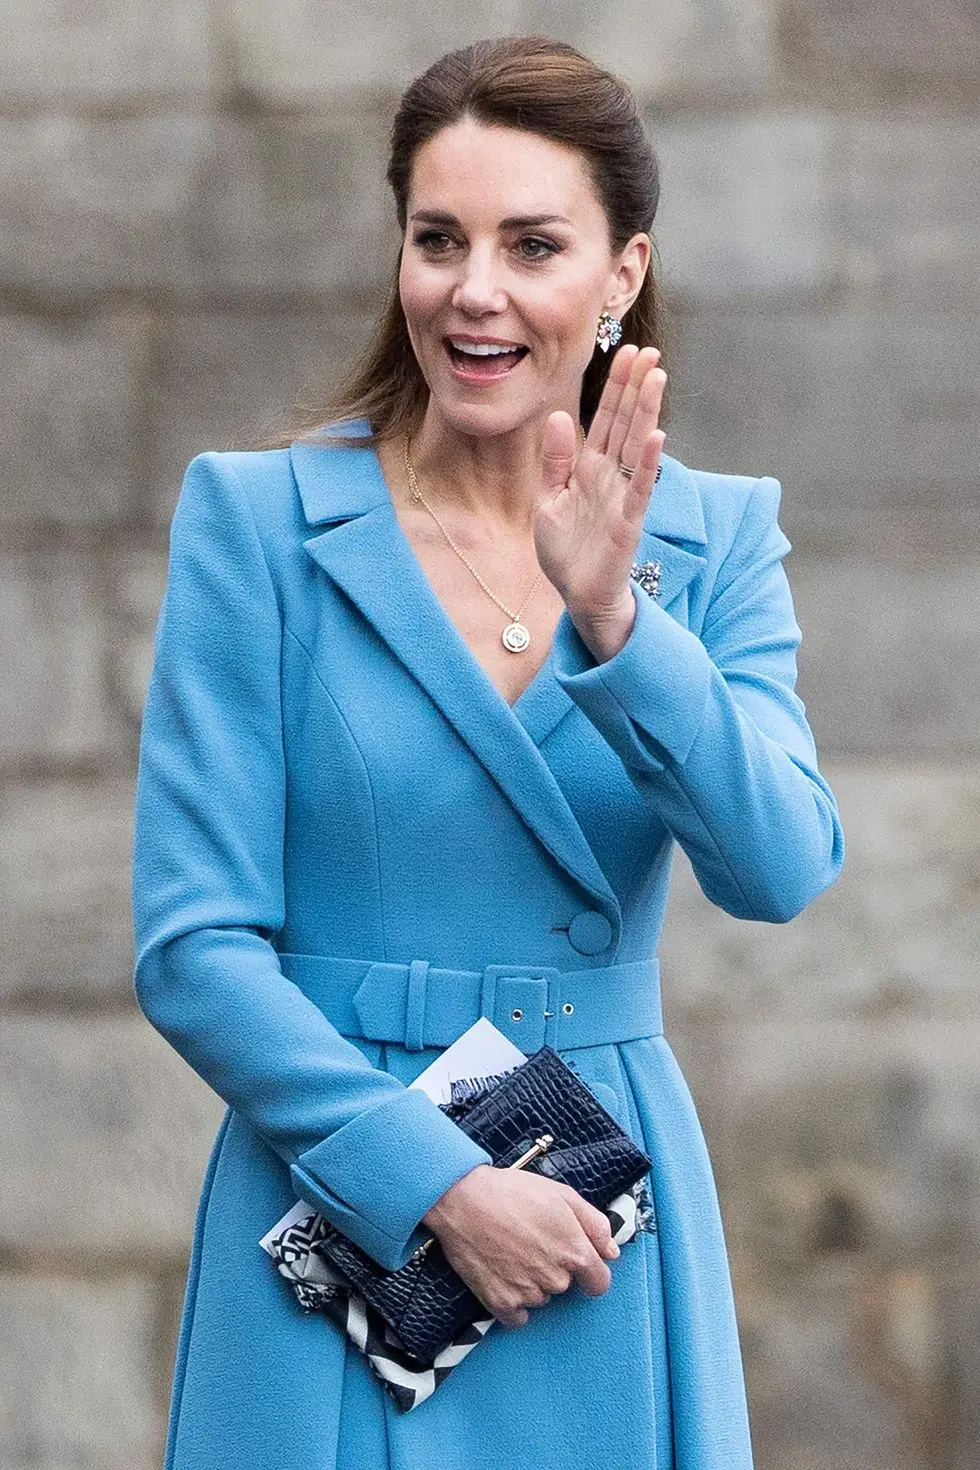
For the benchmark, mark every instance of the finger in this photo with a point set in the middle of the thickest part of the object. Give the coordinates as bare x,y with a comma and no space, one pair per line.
645,361
594,1278
643,365
637,495
595,1223
605,414
557,451
646,414
592,1275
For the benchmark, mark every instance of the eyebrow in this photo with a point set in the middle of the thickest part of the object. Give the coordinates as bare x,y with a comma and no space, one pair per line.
513,222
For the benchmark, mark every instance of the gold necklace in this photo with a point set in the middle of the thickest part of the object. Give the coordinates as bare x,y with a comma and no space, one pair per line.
515,636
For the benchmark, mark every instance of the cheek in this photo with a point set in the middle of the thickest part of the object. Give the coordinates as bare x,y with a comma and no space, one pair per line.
421,293
567,317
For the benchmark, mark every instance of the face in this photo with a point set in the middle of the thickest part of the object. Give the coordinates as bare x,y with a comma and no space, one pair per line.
505,268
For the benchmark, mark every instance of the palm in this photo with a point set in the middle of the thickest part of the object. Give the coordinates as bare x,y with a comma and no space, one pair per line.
589,517
585,532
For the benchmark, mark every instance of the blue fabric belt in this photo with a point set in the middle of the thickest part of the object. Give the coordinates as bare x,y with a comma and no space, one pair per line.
421,1005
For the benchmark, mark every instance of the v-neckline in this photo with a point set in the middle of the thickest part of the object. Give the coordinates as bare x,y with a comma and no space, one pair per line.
527,698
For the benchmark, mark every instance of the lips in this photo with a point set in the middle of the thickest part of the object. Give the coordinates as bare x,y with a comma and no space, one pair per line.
474,360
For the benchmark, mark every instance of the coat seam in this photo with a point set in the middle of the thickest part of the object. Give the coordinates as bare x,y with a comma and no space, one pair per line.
261,544
367,776
281,613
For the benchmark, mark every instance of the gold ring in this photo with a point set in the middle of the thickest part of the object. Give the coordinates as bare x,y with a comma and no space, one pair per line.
624,469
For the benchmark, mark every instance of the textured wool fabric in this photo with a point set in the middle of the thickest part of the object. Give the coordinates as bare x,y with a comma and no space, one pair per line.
325,769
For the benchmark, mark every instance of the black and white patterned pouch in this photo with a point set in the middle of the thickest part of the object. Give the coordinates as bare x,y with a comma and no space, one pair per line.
317,1287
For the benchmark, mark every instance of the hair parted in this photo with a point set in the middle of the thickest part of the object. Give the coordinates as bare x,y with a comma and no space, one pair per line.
537,85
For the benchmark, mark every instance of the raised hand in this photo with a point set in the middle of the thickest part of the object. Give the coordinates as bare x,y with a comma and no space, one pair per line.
589,516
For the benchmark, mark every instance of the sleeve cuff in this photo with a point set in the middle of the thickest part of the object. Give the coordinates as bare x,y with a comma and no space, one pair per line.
376,1177
649,699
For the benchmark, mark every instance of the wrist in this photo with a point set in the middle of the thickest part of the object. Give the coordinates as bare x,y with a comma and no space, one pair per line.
437,1213
605,631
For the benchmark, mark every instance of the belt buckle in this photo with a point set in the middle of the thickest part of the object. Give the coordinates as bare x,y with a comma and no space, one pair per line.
523,1002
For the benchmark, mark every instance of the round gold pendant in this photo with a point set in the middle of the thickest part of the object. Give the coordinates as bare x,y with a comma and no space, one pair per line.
515,637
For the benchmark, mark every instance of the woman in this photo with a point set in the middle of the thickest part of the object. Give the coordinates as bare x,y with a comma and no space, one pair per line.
433,696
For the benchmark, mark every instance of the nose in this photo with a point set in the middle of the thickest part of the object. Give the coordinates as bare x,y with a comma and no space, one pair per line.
477,291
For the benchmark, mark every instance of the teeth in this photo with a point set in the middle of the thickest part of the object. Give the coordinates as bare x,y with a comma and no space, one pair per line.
482,349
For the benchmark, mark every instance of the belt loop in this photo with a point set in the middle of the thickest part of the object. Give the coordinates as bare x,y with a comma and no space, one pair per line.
418,974
488,993
552,1014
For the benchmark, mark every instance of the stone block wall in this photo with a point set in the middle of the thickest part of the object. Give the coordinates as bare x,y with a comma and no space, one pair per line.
193,230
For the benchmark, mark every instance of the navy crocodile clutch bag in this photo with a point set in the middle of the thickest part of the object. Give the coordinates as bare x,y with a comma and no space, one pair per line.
540,1113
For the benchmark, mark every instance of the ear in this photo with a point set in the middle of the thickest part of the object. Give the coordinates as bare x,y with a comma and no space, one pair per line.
629,269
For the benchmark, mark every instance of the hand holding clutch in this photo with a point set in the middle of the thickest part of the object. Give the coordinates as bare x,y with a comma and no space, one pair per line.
516,1237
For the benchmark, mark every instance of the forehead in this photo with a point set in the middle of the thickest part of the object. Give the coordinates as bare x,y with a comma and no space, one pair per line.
482,169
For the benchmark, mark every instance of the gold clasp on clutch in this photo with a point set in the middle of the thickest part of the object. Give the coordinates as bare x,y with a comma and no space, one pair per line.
539,1146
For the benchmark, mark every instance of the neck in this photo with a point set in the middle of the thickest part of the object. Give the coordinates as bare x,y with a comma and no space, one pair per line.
495,478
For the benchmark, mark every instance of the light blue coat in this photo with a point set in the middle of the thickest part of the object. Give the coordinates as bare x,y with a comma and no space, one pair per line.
325,770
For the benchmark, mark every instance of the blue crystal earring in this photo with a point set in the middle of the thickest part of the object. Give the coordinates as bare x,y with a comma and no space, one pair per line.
608,332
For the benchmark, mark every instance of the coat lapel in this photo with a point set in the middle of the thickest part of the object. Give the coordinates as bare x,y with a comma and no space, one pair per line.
365,552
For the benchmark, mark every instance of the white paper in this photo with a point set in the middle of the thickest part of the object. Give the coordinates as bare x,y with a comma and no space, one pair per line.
481,1051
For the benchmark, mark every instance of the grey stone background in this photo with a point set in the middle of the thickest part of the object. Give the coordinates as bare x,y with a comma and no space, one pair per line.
192,227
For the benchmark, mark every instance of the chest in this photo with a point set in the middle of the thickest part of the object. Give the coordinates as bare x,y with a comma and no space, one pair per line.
481,588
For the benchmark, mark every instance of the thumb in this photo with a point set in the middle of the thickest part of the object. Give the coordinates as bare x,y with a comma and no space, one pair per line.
558,451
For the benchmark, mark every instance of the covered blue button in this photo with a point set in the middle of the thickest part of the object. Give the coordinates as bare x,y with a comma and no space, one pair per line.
590,932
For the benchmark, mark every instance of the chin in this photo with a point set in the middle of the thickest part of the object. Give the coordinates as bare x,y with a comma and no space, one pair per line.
480,420
488,417
487,423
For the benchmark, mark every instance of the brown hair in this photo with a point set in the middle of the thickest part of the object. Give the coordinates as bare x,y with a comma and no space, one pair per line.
544,87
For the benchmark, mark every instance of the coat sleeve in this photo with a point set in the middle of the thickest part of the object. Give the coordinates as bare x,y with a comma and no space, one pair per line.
371,1154
712,730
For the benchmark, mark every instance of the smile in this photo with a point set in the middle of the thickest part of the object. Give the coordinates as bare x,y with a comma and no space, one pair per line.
476,361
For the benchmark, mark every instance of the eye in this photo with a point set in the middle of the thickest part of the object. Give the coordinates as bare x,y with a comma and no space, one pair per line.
532,247
434,242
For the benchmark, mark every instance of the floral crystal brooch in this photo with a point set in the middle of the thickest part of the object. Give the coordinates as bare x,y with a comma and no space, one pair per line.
646,574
